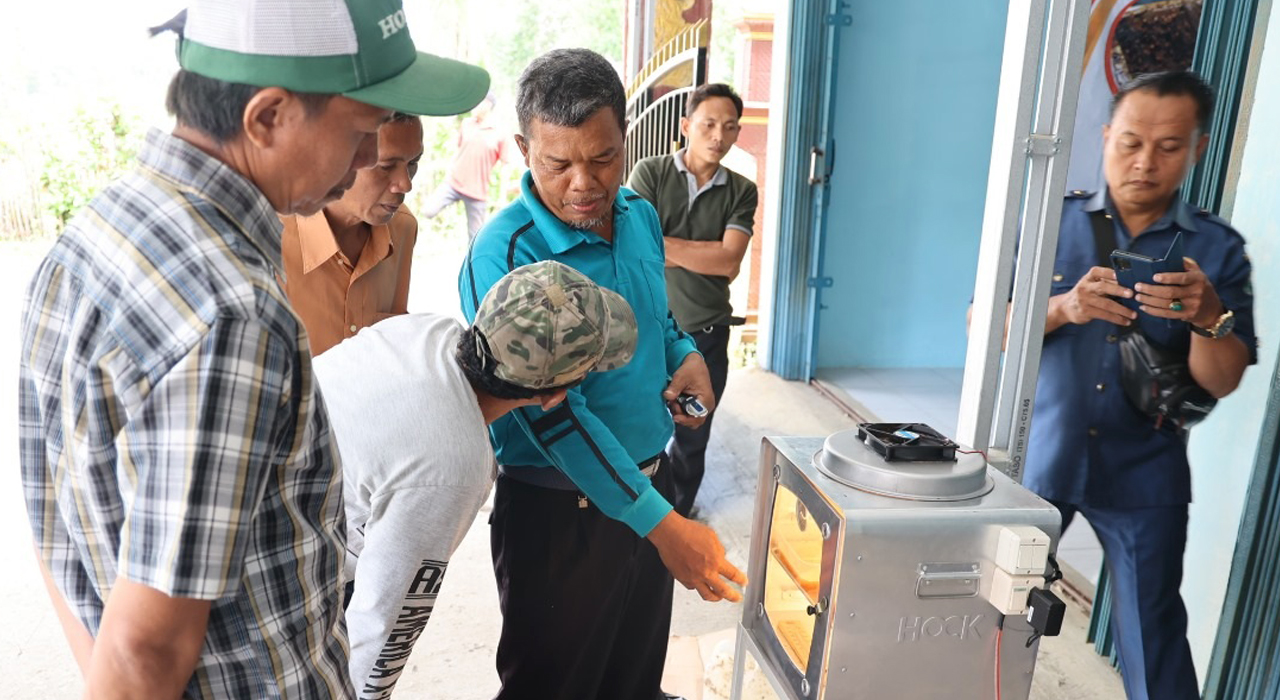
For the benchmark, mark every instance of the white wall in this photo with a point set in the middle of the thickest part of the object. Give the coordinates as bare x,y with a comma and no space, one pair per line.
771,198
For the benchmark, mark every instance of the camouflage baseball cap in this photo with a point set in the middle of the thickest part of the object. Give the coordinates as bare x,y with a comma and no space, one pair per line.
548,325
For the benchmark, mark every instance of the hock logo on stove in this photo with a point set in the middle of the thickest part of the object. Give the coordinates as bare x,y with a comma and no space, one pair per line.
958,627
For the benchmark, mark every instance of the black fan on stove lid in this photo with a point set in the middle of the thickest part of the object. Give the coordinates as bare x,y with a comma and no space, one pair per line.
907,442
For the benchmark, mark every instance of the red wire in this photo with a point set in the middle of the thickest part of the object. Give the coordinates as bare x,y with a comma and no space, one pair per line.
999,636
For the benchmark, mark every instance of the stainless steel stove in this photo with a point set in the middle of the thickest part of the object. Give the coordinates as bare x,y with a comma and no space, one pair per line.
874,579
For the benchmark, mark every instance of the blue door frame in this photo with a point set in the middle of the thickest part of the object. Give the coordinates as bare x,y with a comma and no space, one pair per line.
1245,664
809,155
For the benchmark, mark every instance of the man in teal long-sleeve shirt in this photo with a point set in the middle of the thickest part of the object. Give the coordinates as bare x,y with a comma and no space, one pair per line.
584,539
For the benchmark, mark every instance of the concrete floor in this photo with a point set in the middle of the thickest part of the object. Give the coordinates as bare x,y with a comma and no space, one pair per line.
462,636
454,658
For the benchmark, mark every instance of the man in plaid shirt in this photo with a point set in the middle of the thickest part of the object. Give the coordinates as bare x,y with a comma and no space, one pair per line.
180,478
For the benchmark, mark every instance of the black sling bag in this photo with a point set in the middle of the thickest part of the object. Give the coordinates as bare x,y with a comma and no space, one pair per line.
1157,380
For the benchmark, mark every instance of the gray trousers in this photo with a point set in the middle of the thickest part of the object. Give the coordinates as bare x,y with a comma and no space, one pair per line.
446,195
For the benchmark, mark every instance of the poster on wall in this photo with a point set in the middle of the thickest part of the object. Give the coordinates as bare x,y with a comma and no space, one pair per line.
1125,39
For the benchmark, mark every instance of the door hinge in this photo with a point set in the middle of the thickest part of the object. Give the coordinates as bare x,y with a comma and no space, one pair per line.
840,18
1043,145
819,282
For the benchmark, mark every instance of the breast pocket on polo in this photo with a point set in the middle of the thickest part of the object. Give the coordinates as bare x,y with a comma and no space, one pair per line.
654,285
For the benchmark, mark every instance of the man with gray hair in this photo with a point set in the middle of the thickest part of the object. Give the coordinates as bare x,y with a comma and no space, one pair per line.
180,479
584,539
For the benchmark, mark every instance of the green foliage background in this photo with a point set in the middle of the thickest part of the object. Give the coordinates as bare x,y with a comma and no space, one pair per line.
101,145
503,36
112,97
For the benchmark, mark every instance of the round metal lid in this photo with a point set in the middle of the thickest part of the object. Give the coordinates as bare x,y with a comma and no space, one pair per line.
848,460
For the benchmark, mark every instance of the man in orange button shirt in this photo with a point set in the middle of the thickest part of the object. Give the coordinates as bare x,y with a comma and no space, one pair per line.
347,267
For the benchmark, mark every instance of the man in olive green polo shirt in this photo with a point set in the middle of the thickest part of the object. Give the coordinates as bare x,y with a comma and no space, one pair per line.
707,212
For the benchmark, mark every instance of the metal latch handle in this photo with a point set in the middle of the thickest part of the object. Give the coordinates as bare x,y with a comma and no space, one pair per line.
817,608
814,154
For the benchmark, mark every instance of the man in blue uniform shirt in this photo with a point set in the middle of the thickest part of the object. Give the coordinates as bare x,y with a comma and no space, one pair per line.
1091,451
583,533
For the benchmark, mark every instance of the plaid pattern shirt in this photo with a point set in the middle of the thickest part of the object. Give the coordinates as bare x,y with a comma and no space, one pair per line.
170,432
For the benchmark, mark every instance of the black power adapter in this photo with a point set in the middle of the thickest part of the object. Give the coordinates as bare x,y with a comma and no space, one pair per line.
1045,612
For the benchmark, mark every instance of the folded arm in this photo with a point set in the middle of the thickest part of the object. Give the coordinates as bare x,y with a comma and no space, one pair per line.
722,258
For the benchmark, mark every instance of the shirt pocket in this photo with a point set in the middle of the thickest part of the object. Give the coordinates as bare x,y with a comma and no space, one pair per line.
654,286
1066,274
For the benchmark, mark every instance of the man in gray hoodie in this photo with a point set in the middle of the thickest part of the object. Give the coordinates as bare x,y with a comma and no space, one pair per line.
410,400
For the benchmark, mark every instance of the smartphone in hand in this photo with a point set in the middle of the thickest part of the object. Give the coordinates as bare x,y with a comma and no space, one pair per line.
1132,268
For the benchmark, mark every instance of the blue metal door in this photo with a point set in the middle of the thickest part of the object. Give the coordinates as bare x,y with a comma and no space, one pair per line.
809,155
1245,664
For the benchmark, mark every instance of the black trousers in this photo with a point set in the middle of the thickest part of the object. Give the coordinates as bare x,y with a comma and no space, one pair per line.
689,449
586,603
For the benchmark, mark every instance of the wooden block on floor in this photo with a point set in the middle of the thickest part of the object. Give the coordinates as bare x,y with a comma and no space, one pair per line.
683,673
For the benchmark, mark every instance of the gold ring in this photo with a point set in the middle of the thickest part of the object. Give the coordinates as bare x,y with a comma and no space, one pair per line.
1175,305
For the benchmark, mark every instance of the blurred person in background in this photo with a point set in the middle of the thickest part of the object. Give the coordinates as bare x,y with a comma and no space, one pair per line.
481,144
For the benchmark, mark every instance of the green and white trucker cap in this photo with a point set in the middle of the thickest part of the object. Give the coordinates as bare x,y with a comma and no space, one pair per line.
547,325
357,48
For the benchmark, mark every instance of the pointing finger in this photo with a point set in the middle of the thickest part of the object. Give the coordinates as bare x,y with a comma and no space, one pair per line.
732,573
732,595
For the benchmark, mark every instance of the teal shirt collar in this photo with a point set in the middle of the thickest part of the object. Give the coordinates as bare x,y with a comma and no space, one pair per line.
560,236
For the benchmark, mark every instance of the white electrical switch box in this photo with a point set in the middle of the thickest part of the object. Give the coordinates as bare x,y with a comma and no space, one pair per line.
1022,550
1009,593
